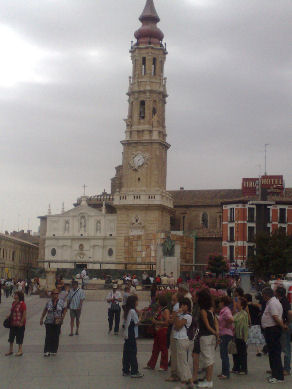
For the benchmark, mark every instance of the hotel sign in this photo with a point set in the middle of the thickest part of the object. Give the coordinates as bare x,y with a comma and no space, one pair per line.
273,184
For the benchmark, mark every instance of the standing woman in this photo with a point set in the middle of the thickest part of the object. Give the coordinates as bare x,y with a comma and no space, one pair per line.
179,359
130,364
209,334
255,335
226,332
55,313
17,323
238,293
241,335
153,292
161,321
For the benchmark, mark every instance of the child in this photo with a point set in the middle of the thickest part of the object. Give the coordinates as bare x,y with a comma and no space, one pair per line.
131,333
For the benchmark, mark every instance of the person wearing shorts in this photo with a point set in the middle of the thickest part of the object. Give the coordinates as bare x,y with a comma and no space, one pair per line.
75,300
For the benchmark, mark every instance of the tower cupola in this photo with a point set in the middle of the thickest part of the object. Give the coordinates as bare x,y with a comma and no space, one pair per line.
149,33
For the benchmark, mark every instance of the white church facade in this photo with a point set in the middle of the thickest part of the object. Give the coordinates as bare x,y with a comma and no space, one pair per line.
81,237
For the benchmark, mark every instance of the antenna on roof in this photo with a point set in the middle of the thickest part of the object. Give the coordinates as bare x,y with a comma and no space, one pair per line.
266,145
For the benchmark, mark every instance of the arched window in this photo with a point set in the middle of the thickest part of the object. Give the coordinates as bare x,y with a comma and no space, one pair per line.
205,220
143,66
154,67
220,221
142,109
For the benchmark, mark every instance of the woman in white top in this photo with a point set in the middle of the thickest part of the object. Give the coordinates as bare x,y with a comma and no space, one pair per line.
180,369
130,364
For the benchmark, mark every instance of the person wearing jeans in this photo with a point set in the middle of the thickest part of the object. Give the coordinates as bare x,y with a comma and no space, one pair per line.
241,336
130,363
286,334
114,299
226,332
273,325
286,349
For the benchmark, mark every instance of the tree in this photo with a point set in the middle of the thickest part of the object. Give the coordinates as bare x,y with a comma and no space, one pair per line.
273,254
217,265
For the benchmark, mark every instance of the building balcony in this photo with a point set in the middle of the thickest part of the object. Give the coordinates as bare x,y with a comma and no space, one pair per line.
151,198
251,220
282,220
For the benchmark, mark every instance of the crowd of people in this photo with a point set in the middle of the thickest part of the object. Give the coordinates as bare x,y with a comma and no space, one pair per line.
197,325
9,286
194,326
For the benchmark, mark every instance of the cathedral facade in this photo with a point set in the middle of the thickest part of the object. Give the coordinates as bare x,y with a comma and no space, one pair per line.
80,237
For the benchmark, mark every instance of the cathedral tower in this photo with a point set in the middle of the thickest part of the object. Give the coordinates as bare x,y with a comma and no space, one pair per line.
142,203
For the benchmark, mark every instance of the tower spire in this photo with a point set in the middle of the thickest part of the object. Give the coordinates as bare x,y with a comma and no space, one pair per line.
149,33
149,12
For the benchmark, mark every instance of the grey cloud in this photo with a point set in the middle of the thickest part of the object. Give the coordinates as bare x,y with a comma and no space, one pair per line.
229,84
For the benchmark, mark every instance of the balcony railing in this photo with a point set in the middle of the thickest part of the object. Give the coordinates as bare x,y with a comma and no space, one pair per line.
282,220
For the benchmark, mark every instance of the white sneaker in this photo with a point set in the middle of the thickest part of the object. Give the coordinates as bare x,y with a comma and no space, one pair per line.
205,384
46,354
274,381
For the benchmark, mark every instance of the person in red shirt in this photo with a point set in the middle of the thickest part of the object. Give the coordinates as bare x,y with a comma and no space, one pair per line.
179,280
17,323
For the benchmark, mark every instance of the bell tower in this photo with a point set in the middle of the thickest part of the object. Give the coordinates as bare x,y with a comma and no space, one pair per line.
142,203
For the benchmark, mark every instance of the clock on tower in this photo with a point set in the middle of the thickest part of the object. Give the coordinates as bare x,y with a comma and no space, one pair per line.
143,192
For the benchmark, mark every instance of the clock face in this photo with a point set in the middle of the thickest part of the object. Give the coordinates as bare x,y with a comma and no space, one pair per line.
138,160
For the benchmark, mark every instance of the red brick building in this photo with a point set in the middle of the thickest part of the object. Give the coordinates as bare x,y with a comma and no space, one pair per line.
266,206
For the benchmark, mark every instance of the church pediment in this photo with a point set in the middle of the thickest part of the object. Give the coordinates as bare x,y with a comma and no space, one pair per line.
82,209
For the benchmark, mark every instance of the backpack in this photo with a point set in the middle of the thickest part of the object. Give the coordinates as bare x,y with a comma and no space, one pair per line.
193,330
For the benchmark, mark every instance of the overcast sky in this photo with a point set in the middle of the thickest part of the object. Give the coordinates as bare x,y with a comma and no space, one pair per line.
64,70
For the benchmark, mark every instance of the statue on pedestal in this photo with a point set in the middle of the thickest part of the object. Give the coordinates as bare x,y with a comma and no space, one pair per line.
168,247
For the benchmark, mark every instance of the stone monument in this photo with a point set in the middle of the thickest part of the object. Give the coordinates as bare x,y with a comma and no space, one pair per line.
168,258
50,279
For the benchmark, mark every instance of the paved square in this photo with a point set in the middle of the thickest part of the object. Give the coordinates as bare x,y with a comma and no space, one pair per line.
93,359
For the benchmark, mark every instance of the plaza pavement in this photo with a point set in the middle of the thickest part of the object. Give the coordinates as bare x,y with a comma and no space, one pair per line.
93,359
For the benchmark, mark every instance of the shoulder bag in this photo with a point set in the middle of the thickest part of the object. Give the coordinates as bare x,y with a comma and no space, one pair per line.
71,298
232,349
115,307
57,320
7,322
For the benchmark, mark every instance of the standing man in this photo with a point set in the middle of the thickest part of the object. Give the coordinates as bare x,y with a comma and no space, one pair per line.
114,298
286,335
273,325
83,277
75,300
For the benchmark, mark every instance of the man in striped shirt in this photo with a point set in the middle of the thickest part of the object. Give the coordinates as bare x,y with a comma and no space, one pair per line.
75,300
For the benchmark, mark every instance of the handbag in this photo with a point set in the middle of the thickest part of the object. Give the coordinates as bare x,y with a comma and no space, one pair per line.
232,349
6,323
57,320
115,307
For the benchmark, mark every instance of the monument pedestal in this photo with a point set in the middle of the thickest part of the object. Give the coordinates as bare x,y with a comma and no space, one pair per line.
245,281
50,279
167,265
